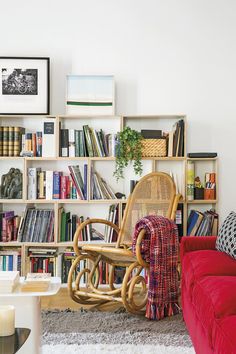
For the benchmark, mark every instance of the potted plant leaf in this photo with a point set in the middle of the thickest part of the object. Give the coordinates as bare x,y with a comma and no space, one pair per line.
129,149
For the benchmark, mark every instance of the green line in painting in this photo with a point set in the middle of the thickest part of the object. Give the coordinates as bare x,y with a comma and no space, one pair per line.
74,103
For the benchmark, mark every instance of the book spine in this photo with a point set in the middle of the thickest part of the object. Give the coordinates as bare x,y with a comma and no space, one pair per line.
49,138
63,187
64,143
32,183
5,141
11,141
68,187
71,142
1,142
85,181
42,185
49,185
38,144
56,185
34,147
17,138
28,142
77,143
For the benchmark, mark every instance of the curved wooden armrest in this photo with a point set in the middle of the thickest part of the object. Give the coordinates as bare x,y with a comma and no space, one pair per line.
138,249
84,224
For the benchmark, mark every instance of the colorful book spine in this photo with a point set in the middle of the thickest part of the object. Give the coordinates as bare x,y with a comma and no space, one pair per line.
5,141
56,184
39,144
63,190
1,140
11,141
34,147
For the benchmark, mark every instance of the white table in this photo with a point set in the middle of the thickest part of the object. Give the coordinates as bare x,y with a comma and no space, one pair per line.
28,312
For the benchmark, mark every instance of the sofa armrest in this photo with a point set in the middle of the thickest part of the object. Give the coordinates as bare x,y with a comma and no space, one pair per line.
196,243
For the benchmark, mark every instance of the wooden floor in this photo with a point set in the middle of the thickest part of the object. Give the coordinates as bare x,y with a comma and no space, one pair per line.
62,301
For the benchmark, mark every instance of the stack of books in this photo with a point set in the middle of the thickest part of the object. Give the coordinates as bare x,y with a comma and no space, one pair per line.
36,282
37,226
175,140
87,142
10,260
42,260
202,224
99,187
9,226
9,281
51,185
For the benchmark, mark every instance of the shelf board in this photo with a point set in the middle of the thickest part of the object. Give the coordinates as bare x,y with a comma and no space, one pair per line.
202,159
104,201
34,158
82,243
71,201
162,116
89,117
11,244
5,158
12,201
167,158
202,201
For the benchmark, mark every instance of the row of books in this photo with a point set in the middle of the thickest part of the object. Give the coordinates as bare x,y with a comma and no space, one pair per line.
37,226
16,141
110,235
175,140
9,226
10,260
11,141
68,223
51,185
99,187
42,260
202,224
86,142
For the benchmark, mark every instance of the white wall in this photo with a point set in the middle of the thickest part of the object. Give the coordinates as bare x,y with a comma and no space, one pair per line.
168,56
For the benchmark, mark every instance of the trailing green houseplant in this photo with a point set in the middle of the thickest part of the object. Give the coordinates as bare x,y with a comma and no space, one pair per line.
129,149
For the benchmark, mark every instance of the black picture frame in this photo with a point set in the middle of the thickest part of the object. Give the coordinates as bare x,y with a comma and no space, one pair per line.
24,85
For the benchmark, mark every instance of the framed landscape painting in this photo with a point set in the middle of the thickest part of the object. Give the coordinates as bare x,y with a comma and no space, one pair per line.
24,85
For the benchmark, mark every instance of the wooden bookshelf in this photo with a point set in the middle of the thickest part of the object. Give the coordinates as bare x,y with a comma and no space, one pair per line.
112,124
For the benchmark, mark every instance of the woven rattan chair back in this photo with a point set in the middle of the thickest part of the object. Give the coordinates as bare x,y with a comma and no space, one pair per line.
154,194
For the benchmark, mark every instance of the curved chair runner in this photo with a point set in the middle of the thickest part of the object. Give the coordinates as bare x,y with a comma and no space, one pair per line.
155,193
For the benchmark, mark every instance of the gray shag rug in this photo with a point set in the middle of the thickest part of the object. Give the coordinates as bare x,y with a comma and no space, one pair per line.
76,329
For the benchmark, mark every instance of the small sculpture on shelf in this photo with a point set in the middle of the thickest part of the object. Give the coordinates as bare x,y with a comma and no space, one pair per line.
11,184
197,182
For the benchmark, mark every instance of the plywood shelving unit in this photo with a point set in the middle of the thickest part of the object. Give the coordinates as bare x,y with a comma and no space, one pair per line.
104,165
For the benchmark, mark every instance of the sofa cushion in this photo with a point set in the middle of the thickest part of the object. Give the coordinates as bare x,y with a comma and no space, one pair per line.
226,240
198,264
214,297
224,338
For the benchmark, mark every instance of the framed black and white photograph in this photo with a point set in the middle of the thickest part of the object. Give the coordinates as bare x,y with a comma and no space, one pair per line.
24,85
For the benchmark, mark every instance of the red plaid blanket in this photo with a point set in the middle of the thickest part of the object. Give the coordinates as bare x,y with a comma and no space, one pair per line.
160,248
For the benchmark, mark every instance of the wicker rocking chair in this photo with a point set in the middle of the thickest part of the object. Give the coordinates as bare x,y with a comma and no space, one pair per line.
154,194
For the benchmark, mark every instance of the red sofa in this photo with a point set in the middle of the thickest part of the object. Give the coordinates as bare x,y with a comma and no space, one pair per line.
208,289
